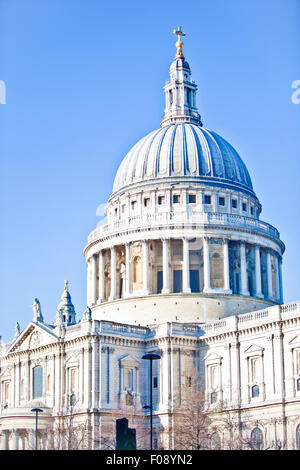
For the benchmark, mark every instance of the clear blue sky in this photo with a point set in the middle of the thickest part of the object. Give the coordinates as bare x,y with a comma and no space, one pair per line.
84,82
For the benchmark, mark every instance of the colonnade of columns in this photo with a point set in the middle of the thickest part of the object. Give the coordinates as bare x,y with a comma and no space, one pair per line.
96,274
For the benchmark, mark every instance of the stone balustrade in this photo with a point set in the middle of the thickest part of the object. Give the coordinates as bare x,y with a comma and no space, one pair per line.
170,219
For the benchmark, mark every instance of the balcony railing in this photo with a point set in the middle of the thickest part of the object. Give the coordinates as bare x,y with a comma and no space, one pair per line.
185,219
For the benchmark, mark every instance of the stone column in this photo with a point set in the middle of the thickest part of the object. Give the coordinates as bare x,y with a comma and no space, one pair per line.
101,278
95,374
81,379
145,267
269,275
28,381
206,265
62,380
93,281
127,270
186,267
166,273
258,291
236,371
226,268
113,273
280,279
244,283
13,386
277,278
88,283
5,439
56,380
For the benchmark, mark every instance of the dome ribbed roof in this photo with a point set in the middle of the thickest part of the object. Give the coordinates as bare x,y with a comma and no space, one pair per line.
183,152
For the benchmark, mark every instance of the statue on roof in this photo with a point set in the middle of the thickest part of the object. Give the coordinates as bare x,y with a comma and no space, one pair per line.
17,330
87,314
37,312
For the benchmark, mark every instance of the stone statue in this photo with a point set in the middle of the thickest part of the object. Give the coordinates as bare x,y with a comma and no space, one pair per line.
17,329
87,314
37,313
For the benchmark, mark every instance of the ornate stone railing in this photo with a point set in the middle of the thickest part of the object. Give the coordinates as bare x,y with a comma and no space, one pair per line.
183,218
245,320
111,327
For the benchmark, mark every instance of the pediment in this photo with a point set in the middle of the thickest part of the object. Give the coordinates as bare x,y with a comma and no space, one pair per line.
254,349
129,361
295,341
72,360
36,334
212,357
6,373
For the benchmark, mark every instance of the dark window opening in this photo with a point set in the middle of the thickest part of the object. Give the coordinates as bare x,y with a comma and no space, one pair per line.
221,201
192,198
207,199
37,382
255,391
213,397
234,203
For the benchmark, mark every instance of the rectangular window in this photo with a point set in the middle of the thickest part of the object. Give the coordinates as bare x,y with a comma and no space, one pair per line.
177,280
176,199
37,382
188,96
133,204
159,281
161,200
72,380
194,280
147,202
6,392
234,203
255,369
214,376
128,379
192,198
221,201
207,199
116,212
213,397
155,382
244,206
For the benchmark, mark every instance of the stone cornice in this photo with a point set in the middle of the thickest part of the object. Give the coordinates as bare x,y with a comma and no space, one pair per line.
117,238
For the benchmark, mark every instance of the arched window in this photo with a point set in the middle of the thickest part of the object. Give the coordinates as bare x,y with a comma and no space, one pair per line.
37,382
257,439
255,391
298,437
298,385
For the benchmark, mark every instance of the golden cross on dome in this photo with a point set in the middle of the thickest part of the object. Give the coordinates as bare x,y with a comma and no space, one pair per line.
66,286
179,43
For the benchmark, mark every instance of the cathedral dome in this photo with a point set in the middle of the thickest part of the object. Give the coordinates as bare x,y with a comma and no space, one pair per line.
183,152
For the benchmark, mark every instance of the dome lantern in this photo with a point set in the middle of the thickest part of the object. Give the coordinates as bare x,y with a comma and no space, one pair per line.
180,90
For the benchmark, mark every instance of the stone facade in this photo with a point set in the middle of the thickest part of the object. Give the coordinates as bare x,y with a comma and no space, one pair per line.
182,267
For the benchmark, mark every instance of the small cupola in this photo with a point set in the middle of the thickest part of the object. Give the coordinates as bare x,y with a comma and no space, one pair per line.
65,314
